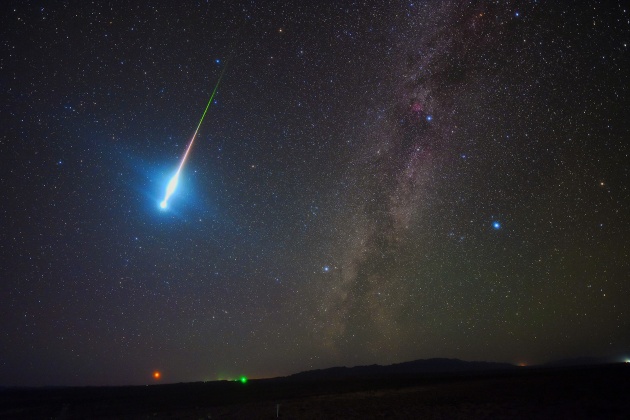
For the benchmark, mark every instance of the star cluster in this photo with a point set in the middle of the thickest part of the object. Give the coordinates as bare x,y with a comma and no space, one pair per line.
374,182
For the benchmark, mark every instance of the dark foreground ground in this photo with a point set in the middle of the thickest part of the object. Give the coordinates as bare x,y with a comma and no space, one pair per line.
571,393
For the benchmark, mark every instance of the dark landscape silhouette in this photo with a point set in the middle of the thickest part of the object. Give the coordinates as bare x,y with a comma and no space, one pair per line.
433,388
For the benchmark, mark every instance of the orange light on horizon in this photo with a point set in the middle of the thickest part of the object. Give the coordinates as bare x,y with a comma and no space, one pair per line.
156,375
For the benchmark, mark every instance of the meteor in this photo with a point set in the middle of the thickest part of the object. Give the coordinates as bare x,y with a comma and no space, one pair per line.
172,185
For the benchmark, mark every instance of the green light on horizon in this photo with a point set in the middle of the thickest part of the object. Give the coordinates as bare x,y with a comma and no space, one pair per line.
243,380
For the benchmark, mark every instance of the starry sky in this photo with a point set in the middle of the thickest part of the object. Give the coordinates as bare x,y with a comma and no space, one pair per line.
375,182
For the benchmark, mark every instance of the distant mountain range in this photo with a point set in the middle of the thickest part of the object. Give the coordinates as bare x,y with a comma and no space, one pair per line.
438,366
426,366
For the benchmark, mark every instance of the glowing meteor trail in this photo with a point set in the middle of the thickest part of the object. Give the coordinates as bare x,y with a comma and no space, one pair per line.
172,185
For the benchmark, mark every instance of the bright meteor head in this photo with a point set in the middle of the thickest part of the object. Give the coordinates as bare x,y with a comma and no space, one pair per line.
170,189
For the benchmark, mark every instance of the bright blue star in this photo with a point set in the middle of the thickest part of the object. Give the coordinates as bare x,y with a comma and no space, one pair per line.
516,14
217,61
429,117
496,225
326,269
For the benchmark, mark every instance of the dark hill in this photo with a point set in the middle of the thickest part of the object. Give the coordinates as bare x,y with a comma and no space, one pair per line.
428,366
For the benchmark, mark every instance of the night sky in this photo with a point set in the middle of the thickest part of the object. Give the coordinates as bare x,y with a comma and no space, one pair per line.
375,182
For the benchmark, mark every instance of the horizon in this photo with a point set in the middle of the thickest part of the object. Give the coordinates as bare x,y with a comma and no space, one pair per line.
160,380
370,183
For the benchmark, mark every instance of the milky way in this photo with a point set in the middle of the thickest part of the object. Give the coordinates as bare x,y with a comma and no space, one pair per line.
456,56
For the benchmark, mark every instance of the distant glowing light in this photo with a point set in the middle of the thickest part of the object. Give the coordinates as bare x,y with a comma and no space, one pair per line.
326,269
217,61
517,14
429,117
157,375
243,379
627,361
496,225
